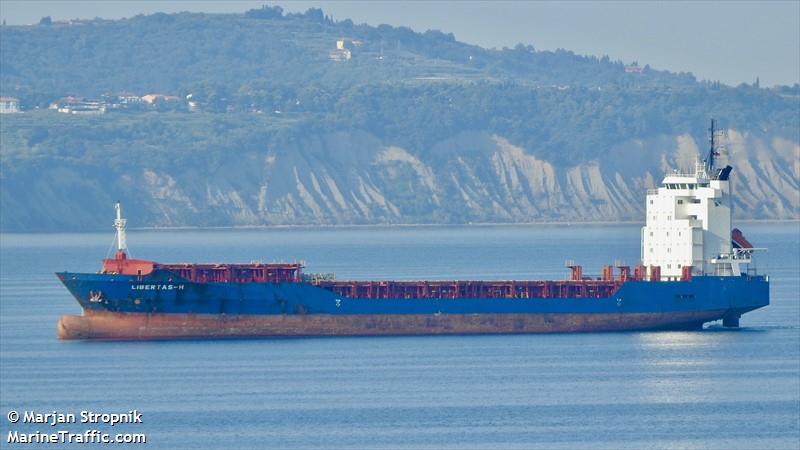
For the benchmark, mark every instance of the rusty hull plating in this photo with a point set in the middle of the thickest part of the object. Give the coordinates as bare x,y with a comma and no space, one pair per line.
119,326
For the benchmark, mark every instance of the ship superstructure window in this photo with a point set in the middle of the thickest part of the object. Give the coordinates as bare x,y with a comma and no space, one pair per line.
695,200
680,202
703,185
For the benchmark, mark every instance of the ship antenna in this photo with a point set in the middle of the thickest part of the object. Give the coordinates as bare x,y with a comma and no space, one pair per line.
119,225
710,159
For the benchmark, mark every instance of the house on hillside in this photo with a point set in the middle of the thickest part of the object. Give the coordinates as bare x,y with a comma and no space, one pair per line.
79,105
634,68
122,100
341,52
9,105
153,98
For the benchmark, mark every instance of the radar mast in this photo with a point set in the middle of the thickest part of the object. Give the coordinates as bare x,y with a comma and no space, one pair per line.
715,138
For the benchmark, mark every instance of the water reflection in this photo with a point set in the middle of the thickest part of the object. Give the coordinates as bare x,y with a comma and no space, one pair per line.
670,362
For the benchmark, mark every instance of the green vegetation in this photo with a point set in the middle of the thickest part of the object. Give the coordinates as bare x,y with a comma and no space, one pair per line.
562,126
116,140
178,52
265,81
411,89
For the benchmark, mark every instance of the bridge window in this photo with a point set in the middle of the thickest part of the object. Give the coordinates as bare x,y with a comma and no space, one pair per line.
680,202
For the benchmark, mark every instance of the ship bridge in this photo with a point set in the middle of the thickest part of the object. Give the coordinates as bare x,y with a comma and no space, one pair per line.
688,224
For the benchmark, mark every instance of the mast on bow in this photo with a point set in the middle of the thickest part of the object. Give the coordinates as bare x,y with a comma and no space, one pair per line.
119,225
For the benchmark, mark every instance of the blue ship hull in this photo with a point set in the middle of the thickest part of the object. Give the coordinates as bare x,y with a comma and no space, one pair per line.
161,305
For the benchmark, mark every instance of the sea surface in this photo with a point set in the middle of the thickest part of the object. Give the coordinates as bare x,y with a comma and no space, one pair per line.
712,389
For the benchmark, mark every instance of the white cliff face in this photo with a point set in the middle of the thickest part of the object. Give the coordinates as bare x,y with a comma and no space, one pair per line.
353,178
768,173
485,178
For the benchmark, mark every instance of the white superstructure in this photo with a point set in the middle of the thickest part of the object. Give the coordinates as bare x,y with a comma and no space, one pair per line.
689,224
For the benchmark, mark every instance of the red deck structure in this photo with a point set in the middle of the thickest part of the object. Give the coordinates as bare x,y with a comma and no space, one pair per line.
577,286
471,289
237,273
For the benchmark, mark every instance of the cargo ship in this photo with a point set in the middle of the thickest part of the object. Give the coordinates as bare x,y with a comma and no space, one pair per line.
695,268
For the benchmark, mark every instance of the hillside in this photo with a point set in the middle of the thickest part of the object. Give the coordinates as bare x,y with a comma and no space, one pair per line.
412,128
178,52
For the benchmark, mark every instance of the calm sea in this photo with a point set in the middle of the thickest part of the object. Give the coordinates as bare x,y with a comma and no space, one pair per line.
716,389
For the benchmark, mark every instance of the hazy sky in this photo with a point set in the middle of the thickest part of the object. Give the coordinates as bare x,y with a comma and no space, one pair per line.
733,41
